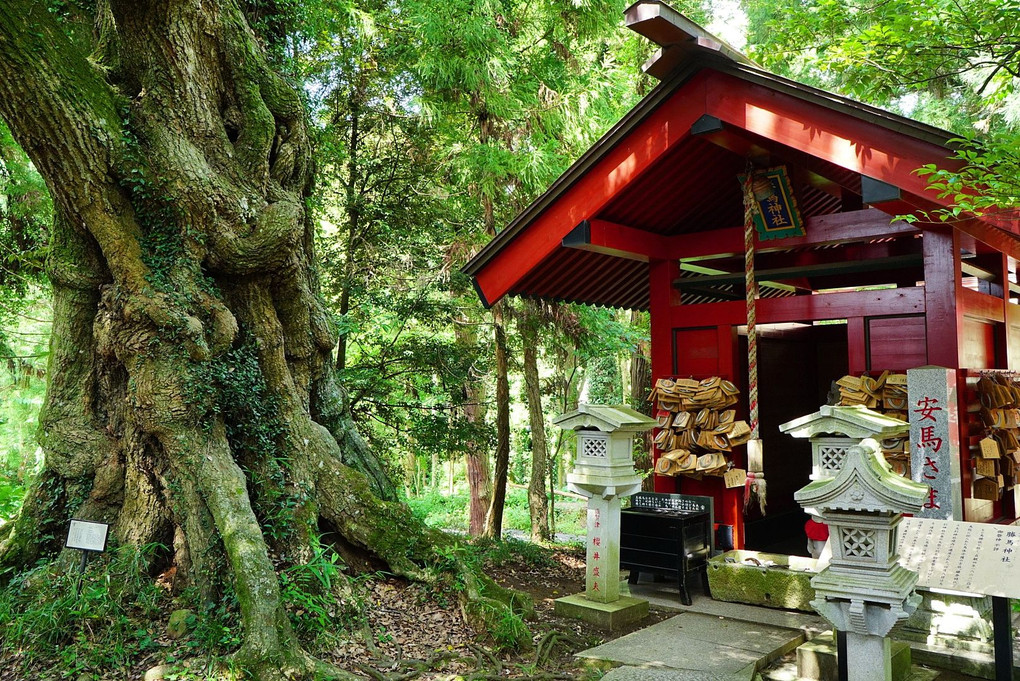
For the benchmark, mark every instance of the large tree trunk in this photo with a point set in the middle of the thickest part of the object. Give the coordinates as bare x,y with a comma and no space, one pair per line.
538,503
494,519
476,453
191,399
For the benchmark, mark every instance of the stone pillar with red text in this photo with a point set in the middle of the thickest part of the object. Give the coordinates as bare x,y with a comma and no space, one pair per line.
935,440
602,581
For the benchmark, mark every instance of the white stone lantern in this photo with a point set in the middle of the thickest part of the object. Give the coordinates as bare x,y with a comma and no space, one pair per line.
834,430
604,472
604,464
864,591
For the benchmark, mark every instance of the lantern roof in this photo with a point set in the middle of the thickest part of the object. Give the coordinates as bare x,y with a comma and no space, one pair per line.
865,483
856,422
607,418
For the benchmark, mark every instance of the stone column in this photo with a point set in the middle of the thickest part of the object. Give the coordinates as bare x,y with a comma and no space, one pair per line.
603,472
868,657
602,581
935,440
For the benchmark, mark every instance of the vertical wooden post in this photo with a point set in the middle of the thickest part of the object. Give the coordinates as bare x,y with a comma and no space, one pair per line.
729,508
941,248
662,296
857,345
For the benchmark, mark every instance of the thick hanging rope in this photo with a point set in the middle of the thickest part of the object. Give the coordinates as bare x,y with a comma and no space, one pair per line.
754,486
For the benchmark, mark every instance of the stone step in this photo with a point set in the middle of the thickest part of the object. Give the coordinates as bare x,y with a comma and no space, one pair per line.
968,662
665,674
698,646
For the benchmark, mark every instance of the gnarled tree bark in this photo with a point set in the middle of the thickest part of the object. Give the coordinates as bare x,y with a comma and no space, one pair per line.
191,399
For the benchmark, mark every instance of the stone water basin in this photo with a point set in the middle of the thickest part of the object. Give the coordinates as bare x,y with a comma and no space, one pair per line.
767,579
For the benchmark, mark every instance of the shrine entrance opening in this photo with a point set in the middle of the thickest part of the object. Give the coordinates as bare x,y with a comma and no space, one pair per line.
797,364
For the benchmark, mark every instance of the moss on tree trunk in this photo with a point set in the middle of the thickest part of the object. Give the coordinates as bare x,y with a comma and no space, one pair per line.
192,400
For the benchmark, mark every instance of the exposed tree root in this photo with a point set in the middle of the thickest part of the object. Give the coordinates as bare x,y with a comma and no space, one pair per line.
192,402
550,640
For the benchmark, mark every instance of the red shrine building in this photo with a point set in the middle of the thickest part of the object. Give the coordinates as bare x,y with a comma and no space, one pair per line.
651,218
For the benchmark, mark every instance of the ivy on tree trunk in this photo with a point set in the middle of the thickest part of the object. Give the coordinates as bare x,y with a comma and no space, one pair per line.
192,399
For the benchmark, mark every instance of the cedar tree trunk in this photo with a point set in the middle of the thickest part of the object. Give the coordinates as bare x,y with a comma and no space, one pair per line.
538,503
191,399
501,466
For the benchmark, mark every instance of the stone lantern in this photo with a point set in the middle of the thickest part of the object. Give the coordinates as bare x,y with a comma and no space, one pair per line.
834,430
864,591
604,472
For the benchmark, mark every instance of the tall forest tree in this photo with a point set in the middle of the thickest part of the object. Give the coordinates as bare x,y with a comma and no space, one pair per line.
952,64
191,400
524,88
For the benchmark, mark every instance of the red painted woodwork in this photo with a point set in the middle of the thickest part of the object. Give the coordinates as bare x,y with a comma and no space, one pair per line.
981,306
841,305
698,353
832,135
1012,335
624,242
820,230
701,353
896,343
660,131
996,237
662,297
857,351
941,286
977,346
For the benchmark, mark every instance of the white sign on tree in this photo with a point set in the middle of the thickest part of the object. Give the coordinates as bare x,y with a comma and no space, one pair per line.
86,535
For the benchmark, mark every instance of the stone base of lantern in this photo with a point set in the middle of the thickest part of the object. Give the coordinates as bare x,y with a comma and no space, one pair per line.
612,616
816,660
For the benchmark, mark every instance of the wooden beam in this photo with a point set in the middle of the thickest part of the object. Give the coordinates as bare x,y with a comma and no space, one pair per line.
941,289
662,298
999,238
982,306
897,301
848,252
822,230
857,345
818,269
608,238
842,139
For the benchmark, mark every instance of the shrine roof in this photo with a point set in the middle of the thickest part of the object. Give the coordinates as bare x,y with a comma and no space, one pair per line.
662,183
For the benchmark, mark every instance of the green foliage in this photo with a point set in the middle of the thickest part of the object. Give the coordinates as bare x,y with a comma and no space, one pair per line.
959,53
318,608
987,184
43,615
511,550
26,215
450,512
952,64
24,339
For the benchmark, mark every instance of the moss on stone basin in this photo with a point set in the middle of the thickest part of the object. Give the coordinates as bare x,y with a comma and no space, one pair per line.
769,579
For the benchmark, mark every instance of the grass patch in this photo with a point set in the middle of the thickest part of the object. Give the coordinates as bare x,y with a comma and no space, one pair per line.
450,511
